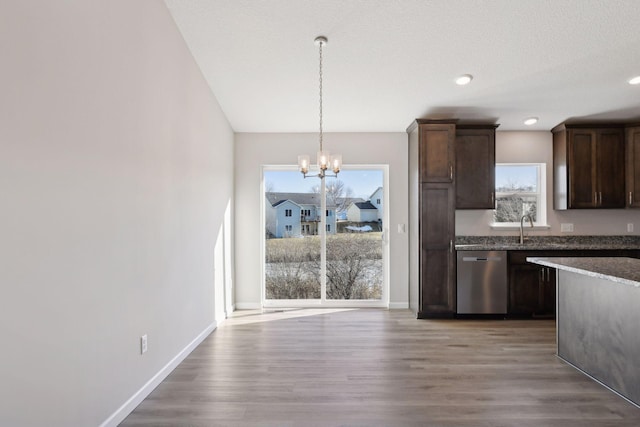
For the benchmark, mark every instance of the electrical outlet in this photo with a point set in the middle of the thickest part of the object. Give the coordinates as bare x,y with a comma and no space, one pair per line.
566,227
630,227
143,344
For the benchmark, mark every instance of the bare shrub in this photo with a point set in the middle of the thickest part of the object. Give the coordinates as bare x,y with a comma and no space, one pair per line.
354,267
352,270
289,272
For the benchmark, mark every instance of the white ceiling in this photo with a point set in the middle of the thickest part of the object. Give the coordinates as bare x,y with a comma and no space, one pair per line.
388,62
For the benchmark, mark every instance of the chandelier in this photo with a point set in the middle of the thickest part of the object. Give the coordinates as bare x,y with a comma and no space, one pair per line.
325,160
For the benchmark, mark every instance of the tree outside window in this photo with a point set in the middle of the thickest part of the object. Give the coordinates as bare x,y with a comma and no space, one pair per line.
519,191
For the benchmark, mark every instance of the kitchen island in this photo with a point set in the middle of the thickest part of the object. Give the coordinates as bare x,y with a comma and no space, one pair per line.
598,313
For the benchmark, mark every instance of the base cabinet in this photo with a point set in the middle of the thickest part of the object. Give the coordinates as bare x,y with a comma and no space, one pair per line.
437,266
532,287
531,290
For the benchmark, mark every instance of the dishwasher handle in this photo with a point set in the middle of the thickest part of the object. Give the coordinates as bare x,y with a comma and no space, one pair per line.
481,259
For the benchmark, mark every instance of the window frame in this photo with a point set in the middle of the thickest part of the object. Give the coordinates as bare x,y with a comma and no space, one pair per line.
541,196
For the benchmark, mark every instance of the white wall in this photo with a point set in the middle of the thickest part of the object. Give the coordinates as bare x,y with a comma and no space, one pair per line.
115,174
255,150
537,147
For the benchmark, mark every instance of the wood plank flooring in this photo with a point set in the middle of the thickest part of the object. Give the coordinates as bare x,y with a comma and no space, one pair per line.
379,368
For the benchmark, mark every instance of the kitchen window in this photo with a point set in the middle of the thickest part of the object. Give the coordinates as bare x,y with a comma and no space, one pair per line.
520,190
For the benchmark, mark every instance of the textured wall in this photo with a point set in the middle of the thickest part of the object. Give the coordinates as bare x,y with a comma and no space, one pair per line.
115,174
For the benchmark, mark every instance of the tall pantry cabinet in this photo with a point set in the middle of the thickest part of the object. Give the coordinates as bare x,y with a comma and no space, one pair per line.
432,217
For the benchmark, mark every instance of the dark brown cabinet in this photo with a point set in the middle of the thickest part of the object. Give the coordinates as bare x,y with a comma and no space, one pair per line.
432,213
633,166
532,288
437,263
437,155
475,165
589,167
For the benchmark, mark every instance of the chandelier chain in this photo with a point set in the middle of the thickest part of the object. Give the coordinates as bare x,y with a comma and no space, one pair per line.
320,78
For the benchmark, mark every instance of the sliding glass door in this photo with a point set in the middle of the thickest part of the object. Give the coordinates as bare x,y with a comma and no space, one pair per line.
353,270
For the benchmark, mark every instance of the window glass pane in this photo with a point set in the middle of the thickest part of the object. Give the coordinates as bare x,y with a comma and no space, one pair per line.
511,208
517,192
510,178
354,252
354,257
292,244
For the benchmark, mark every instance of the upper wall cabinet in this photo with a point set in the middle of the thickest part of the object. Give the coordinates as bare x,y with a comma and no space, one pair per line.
475,166
437,155
633,166
589,167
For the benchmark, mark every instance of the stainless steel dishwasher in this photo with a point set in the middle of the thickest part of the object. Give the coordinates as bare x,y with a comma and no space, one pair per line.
482,282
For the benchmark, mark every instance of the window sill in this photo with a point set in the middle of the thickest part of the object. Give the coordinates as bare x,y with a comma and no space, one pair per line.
515,226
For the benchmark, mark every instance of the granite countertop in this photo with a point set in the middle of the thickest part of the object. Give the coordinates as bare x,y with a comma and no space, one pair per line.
616,269
512,243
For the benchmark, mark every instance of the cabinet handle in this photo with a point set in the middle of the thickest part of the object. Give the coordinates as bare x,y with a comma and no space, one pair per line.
548,269
451,246
541,275
450,171
595,198
493,199
630,198
600,198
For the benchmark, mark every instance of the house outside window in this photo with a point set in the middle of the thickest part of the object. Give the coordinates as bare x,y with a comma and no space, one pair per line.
287,212
288,227
520,190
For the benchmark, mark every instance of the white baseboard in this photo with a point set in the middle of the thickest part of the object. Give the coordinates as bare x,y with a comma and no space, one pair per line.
123,411
248,306
399,305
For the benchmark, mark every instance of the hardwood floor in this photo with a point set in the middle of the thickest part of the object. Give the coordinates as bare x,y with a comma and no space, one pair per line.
379,368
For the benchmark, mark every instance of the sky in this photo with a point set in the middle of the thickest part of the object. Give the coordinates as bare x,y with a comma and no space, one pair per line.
521,174
362,182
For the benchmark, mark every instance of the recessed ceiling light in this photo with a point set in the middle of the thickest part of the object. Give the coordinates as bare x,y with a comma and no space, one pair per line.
531,121
464,79
635,80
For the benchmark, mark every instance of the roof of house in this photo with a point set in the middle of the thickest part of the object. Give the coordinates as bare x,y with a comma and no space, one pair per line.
346,201
365,205
279,202
379,188
299,198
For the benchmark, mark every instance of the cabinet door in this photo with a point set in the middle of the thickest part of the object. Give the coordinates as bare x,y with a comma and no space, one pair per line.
475,168
547,303
610,168
582,168
524,289
633,167
437,262
437,152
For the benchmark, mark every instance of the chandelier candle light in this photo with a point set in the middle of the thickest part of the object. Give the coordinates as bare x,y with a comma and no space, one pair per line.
325,160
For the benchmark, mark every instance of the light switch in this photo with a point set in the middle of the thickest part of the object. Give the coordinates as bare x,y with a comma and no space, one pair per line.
401,228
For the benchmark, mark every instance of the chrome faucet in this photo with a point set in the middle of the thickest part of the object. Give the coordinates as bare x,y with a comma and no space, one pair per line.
521,226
